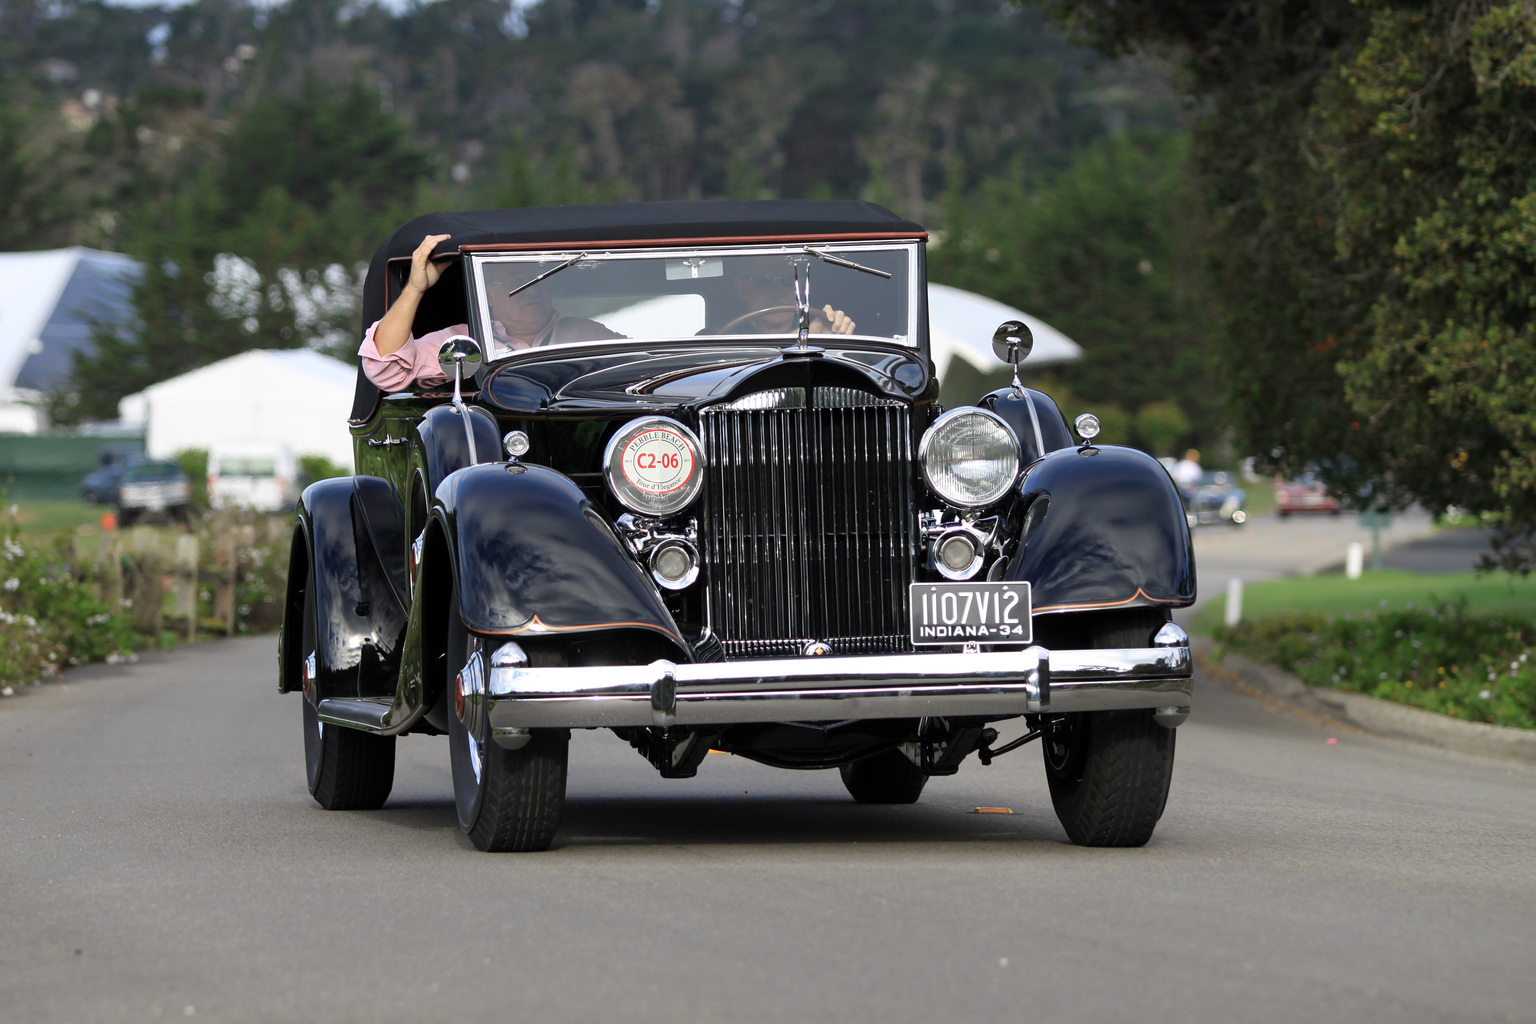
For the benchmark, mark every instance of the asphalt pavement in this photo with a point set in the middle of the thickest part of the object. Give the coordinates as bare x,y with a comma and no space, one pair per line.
160,858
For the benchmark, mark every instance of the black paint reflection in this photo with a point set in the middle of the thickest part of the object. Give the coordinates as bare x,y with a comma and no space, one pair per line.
530,560
1115,533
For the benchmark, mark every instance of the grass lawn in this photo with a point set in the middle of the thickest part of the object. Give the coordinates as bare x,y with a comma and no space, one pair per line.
1489,594
46,516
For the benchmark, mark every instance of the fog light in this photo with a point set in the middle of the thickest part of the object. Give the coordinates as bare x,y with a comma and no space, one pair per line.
516,443
674,564
957,556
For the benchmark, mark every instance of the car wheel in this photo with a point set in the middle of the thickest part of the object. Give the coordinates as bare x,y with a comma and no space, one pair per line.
507,800
1109,771
348,770
885,778
127,516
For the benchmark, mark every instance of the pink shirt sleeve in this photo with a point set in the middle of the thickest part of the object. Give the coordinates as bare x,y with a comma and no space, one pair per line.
414,364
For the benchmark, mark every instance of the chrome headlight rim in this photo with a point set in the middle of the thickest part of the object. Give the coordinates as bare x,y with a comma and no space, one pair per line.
925,457
633,493
689,553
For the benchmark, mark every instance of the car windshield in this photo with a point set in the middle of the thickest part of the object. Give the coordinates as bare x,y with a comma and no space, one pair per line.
247,465
528,300
144,472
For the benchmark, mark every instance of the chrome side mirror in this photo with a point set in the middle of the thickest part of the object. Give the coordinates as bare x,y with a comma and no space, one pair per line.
461,354
1012,342
459,351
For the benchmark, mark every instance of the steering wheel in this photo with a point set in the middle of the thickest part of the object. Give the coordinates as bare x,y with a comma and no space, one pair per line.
725,328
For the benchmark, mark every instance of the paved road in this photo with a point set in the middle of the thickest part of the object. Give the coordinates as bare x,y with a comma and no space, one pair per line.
159,857
1457,550
1267,546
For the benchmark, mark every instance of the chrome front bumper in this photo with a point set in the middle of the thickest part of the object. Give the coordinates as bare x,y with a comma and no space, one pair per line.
993,683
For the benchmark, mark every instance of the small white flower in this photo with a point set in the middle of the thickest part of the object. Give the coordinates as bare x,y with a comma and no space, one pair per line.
12,583
1485,694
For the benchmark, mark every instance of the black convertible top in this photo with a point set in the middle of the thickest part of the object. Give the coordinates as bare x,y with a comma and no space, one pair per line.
617,222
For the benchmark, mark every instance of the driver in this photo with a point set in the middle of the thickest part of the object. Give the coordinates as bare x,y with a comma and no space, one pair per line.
767,284
394,359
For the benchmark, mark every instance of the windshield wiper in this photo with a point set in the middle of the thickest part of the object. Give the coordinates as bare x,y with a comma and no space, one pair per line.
839,261
551,271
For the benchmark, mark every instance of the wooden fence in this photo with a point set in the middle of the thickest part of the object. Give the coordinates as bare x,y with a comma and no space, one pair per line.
169,578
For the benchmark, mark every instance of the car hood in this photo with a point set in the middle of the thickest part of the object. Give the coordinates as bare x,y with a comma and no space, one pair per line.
653,375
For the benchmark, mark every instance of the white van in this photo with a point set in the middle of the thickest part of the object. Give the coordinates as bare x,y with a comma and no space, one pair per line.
259,476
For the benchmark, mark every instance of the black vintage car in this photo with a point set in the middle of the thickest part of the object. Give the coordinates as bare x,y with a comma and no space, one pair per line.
725,510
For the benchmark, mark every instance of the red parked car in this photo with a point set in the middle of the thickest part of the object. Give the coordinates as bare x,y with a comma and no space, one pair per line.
1305,494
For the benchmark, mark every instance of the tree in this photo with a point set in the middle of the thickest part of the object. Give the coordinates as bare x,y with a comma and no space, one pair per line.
264,248
1371,171
1107,251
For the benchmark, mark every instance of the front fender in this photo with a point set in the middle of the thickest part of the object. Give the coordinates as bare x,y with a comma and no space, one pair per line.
442,444
1035,418
534,557
324,556
1114,534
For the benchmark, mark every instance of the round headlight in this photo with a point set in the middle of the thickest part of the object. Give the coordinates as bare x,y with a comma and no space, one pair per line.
654,466
970,457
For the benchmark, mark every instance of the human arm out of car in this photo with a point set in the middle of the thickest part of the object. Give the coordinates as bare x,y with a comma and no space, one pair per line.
393,332
414,363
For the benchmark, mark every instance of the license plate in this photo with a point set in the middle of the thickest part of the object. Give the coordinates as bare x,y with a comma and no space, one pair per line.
970,613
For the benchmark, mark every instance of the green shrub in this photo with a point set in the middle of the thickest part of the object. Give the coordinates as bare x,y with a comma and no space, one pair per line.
1161,425
318,467
194,463
49,616
1478,668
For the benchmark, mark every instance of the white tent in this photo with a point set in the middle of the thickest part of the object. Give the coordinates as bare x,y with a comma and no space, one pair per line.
50,302
289,396
960,326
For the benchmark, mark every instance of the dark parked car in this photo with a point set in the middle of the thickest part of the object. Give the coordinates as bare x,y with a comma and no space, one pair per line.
100,487
726,529
1216,498
152,487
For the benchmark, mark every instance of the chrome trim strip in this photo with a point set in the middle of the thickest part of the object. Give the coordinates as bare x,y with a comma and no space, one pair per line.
824,688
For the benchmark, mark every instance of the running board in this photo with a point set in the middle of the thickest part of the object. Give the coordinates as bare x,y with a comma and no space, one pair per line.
367,713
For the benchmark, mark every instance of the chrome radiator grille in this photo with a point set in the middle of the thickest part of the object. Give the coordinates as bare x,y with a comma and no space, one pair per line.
808,528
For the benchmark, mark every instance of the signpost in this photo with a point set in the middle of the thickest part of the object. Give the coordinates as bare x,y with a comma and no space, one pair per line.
1375,520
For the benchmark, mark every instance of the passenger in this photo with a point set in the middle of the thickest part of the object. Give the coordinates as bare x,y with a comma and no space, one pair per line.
768,283
394,359
1187,472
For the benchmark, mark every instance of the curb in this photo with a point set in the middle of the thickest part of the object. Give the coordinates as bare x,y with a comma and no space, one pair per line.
1368,714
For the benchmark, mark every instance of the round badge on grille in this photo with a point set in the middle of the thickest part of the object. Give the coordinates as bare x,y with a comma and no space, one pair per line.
654,466
658,461
816,648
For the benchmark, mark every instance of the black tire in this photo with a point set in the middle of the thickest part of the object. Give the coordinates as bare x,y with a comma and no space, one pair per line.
348,770
507,800
886,778
1109,771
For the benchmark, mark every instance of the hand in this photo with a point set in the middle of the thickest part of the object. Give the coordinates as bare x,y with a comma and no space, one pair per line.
424,272
832,321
